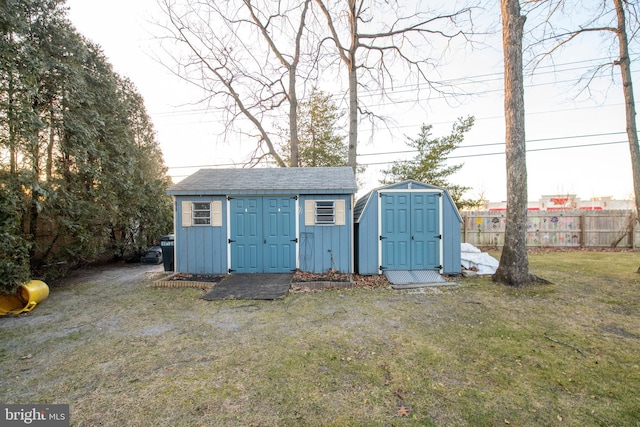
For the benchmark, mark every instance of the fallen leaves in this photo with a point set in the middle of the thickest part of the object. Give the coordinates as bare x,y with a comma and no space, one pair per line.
403,411
330,276
316,282
370,282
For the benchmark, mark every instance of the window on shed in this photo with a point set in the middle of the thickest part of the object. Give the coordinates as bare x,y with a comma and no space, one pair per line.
201,213
324,212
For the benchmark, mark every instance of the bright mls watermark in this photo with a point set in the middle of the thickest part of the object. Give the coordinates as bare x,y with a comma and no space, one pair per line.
34,415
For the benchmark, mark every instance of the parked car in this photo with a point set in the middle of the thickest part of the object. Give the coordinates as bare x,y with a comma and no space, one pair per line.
152,256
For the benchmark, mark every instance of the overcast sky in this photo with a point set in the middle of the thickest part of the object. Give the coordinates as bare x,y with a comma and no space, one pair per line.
562,132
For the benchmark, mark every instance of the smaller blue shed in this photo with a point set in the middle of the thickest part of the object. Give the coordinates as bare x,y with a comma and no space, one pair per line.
264,220
407,226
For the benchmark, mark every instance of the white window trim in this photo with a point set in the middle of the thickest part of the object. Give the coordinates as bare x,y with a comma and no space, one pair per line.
215,214
339,212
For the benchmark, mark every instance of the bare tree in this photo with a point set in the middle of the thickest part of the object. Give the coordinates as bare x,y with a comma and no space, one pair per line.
290,62
624,62
605,17
248,53
514,262
370,36
245,56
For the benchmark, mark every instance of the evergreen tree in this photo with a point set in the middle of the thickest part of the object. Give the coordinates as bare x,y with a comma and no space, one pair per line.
429,165
81,173
14,250
319,143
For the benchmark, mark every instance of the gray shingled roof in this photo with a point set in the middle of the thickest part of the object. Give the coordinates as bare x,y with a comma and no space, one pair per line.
266,180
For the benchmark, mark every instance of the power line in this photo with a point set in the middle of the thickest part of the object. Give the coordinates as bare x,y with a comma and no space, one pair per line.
557,138
502,152
497,76
413,125
554,69
462,156
534,113
462,80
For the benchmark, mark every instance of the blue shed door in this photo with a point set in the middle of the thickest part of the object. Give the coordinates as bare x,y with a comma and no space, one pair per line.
246,234
396,233
262,234
279,232
410,232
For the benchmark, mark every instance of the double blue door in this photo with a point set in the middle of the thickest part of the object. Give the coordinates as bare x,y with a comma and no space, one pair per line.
410,232
262,234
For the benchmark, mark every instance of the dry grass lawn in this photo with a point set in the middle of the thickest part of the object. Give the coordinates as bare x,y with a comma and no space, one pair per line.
124,353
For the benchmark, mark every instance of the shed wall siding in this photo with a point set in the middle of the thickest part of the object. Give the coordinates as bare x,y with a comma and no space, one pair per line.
325,247
200,249
367,239
452,257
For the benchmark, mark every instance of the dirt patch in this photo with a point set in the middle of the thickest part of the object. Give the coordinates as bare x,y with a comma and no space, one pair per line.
318,285
617,330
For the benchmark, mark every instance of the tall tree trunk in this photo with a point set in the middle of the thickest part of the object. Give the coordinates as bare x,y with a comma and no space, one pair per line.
353,116
514,262
293,96
34,210
293,117
348,57
52,140
292,67
11,121
630,108
353,88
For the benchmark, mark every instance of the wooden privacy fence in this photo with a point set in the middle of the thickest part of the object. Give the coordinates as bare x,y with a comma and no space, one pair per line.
566,228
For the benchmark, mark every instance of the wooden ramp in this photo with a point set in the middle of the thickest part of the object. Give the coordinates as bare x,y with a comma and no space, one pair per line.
251,286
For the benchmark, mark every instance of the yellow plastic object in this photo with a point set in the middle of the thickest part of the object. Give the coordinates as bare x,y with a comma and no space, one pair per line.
26,298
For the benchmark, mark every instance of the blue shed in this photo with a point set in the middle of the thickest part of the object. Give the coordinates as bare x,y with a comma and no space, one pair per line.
407,226
264,220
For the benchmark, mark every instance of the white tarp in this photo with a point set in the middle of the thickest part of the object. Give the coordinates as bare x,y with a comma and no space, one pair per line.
478,261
